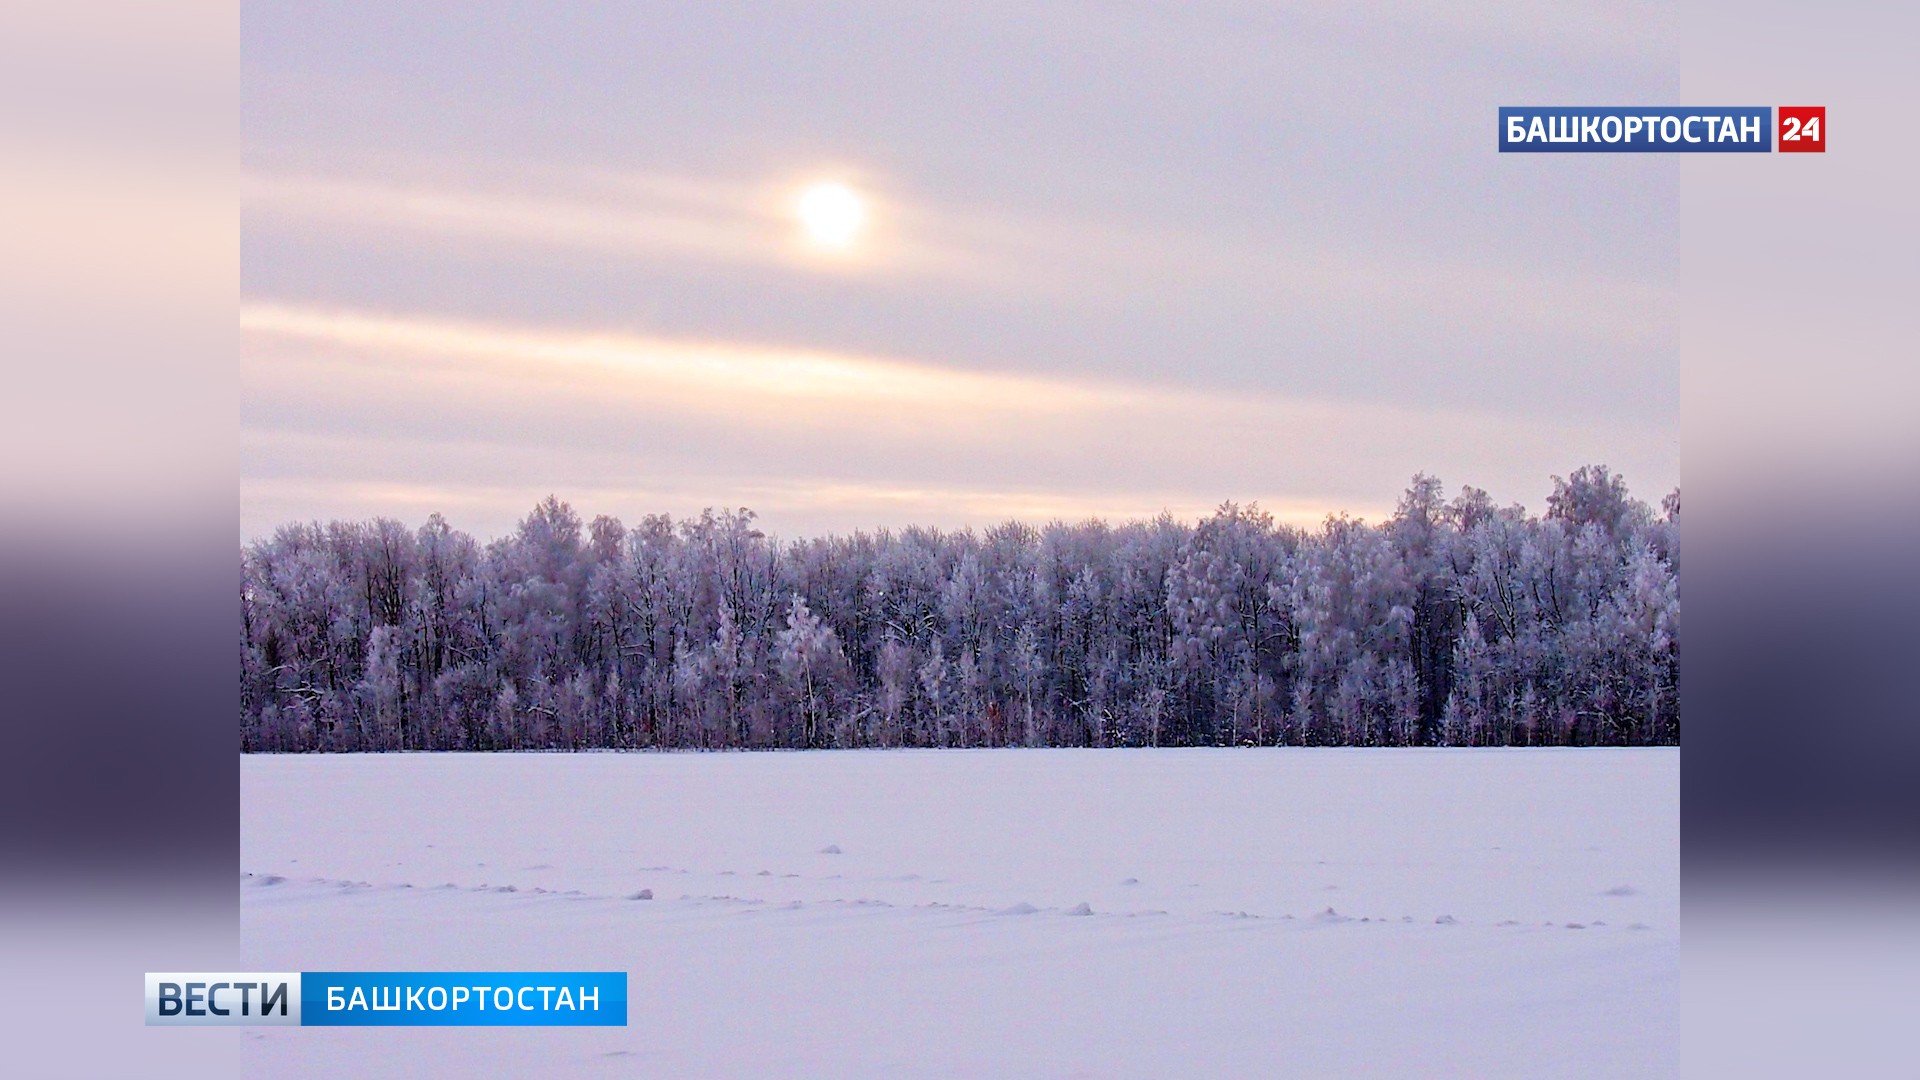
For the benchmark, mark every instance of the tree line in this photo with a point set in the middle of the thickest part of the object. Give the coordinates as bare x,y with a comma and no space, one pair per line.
1455,622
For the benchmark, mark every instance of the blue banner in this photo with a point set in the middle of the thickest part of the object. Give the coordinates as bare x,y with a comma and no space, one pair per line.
1742,129
463,998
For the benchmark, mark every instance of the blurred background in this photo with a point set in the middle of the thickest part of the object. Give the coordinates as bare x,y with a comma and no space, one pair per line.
1801,777
118,280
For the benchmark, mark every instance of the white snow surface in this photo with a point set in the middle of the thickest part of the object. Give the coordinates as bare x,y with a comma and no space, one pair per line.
1247,913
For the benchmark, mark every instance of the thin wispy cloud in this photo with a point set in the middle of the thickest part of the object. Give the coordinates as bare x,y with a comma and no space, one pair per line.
798,507
704,376
636,215
728,221
363,407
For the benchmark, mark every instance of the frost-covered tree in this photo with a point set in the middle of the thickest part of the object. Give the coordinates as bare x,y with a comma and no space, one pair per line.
1455,622
813,671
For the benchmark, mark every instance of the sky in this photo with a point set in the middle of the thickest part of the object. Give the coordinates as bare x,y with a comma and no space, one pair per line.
1110,259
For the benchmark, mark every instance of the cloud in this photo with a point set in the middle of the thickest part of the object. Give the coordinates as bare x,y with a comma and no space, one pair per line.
794,508
770,384
357,410
709,219
987,250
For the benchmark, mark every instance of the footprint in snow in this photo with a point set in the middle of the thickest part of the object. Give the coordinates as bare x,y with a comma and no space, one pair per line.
830,849
1131,881
643,894
1022,908
1621,890
1081,908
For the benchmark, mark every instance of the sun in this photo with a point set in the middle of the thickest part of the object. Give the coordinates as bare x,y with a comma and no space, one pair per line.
832,215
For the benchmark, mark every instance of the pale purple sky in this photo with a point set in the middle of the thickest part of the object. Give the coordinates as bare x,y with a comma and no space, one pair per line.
1120,258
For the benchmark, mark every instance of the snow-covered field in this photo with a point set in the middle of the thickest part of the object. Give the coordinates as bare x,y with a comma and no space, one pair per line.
1016,913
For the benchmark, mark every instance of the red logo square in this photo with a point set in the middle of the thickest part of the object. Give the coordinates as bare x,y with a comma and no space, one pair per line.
1803,129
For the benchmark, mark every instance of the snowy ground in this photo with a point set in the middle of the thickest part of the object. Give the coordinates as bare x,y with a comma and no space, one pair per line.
1261,913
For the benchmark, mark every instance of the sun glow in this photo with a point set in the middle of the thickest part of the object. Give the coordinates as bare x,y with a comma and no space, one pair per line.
832,215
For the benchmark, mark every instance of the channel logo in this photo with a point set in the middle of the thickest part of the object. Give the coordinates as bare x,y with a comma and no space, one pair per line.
223,998
1633,129
387,998
1803,129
